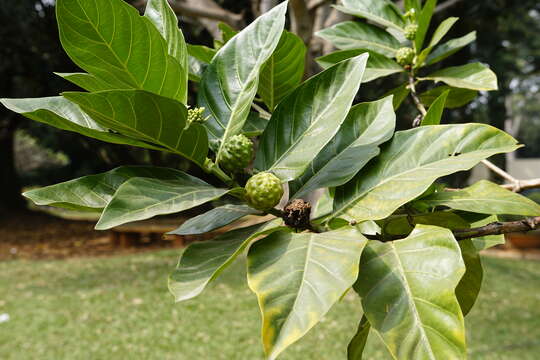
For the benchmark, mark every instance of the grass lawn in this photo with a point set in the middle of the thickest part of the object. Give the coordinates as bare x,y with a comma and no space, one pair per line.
119,308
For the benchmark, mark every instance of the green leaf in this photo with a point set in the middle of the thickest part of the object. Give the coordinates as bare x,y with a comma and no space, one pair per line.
63,114
400,94
297,279
381,12
230,82
214,219
473,76
108,39
400,224
413,4
456,98
450,47
283,71
308,118
469,286
227,32
255,125
356,35
486,198
434,114
486,242
377,65
94,192
143,198
439,33
358,342
159,12
424,19
410,163
366,127
203,261
90,82
199,57
148,117
407,290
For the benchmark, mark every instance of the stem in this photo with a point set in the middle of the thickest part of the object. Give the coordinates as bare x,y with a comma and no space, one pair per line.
211,168
421,108
263,113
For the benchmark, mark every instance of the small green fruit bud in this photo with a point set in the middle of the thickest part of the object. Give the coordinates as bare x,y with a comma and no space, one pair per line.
263,191
405,56
410,31
196,115
236,153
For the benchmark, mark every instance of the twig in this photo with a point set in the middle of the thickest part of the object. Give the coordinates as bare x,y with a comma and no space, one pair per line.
263,113
497,170
495,228
523,185
421,108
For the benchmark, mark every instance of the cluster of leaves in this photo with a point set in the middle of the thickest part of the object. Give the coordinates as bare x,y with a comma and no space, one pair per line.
377,182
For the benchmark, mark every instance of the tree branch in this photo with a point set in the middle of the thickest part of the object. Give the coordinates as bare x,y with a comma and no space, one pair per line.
421,108
521,185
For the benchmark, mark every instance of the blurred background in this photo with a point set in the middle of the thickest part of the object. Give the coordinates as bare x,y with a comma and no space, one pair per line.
69,309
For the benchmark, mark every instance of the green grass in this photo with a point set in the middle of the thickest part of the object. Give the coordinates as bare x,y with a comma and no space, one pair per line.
119,308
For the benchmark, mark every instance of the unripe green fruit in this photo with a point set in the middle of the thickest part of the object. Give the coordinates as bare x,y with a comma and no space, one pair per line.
195,115
263,191
405,56
236,153
410,31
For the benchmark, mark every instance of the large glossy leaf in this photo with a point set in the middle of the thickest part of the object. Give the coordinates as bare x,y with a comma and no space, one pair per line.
94,192
230,82
110,40
469,286
450,47
297,279
356,35
146,116
143,198
407,291
456,97
377,65
203,261
486,198
382,12
410,163
159,12
367,126
308,118
473,76
434,114
356,347
63,114
91,83
424,19
214,219
439,33
283,71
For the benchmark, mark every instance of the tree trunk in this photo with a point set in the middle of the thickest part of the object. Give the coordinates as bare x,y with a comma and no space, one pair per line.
10,186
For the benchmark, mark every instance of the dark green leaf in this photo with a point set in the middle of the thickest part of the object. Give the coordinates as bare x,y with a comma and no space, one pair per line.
108,39
474,76
450,47
255,125
400,94
358,342
203,261
146,116
424,19
95,191
356,35
308,118
410,163
159,12
297,279
377,65
382,12
439,33
401,224
469,287
63,114
214,219
486,198
456,98
367,125
407,290
90,82
199,57
434,114
143,198
283,71
230,82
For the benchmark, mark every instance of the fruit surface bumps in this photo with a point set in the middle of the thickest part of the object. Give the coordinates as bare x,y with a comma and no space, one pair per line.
263,191
405,56
410,31
236,154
